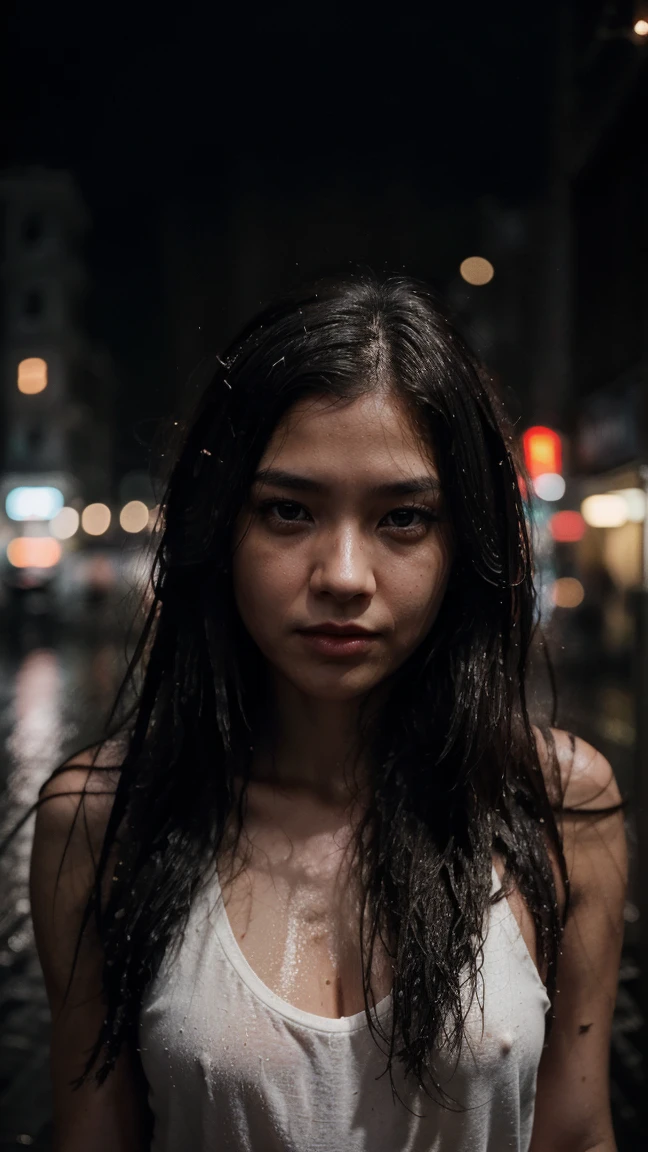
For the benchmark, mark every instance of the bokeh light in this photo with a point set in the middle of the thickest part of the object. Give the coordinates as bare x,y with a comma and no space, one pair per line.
567,592
95,519
475,270
542,451
635,502
549,486
29,502
134,516
33,552
32,375
641,27
65,523
567,527
605,510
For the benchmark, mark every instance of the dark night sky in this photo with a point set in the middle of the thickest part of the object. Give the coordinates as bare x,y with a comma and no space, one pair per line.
162,107
148,111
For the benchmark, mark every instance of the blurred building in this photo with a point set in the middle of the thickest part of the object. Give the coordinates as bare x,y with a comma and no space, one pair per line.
56,386
563,324
606,172
601,225
593,383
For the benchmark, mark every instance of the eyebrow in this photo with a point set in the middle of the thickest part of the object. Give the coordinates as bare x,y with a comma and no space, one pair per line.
280,479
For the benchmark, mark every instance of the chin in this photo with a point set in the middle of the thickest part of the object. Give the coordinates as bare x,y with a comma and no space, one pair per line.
336,685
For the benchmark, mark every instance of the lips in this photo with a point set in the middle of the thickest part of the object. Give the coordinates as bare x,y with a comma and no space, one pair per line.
338,630
341,642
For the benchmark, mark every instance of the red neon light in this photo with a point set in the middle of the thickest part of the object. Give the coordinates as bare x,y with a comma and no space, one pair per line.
567,527
542,451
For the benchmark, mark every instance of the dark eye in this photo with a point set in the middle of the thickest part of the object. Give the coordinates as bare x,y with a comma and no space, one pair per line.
288,510
410,517
283,511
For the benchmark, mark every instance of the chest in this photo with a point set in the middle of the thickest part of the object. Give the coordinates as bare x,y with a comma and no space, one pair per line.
294,910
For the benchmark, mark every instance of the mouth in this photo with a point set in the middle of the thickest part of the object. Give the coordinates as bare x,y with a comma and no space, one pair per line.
332,629
338,640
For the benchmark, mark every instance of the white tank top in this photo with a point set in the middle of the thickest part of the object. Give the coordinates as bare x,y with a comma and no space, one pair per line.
234,1068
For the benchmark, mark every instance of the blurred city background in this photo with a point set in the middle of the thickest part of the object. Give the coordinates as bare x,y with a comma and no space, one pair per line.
159,182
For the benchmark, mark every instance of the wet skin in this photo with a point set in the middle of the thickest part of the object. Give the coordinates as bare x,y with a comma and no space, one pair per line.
345,525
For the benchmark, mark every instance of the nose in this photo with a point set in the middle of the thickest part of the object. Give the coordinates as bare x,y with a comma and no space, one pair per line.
342,565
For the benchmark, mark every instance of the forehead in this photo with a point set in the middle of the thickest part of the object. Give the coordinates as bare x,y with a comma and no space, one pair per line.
371,435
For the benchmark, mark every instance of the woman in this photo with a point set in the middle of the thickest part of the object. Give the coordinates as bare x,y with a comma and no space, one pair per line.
331,733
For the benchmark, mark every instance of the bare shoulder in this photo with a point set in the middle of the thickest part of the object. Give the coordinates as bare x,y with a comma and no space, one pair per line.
82,790
587,780
572,1103
587,800
75,806
71,821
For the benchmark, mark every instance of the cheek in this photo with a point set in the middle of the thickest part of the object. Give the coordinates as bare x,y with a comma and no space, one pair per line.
265,583
417,593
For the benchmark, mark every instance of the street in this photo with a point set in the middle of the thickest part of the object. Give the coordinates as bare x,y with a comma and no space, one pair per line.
54,688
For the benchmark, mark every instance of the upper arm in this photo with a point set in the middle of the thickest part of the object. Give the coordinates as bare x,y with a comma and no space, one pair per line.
67,840
573,1101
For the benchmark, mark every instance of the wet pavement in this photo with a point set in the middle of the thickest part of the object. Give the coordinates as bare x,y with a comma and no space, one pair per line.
55,686
56,683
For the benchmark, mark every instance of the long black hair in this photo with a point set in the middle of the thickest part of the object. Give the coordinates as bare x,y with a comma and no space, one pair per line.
455,764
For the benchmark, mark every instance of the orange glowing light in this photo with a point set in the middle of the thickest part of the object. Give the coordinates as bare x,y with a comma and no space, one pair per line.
134,516
32,375
33,552
475,270
95,519
542,451
567,527
567,592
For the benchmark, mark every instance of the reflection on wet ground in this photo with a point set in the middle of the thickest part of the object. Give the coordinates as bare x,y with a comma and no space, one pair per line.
56,684
55,687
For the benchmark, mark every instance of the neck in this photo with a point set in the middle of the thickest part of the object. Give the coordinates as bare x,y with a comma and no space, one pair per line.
311,744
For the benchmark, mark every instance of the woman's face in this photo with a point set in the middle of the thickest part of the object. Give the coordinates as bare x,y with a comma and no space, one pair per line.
344,530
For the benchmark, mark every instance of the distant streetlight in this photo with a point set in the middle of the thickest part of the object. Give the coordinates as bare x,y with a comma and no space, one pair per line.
567,592
65,524
32,375
641,28
134,516
475,270
95,519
